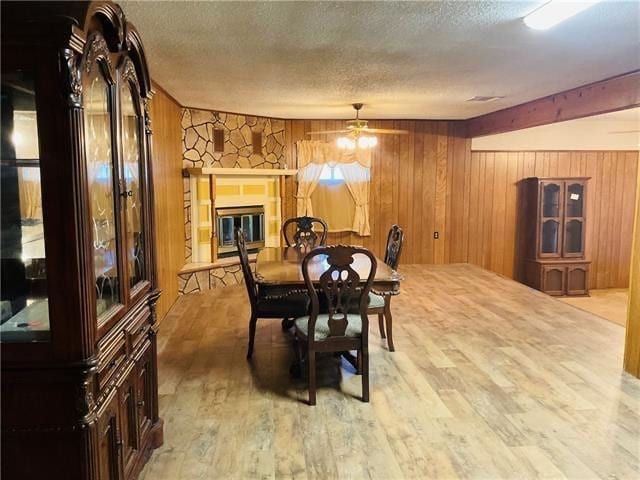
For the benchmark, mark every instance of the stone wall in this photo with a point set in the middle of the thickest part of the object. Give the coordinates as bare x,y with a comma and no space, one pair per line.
215,277
199,149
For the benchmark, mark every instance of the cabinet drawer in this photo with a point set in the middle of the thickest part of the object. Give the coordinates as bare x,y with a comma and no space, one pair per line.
138,329
111,358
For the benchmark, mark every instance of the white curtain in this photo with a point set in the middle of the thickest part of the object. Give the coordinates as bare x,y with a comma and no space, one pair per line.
307,181
357,179
355,166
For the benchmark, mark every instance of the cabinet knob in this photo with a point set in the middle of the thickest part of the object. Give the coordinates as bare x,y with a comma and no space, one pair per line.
140,403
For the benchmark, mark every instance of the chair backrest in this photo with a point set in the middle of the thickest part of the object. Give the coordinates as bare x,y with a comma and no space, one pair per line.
250,282
341,285
394,247
310,232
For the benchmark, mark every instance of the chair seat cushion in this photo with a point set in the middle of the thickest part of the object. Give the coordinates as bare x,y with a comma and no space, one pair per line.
294,305
375,300
354,326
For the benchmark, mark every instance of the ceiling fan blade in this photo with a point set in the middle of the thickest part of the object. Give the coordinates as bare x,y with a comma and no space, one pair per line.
385,131
328,131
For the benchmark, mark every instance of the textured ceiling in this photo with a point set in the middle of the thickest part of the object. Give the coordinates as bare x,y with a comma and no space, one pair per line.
402,59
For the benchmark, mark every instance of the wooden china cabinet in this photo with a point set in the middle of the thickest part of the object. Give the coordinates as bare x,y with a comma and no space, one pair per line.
551,233
79,371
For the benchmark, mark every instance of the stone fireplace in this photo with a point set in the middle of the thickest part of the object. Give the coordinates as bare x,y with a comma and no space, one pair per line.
217,201
230,161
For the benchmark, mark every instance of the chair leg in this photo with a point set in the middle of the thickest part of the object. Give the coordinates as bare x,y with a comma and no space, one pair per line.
389,320
311,364
359,363
365,373
381,325
252,334
296,368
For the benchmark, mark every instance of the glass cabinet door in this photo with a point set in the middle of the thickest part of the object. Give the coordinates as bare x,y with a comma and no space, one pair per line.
102,197
574,219
550,221
131,167
24,307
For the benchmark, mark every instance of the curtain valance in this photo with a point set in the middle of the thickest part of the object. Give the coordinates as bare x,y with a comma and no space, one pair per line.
314,151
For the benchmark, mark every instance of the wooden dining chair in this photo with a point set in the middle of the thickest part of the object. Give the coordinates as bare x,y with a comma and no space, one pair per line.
381,304
273,305
338,330
310,232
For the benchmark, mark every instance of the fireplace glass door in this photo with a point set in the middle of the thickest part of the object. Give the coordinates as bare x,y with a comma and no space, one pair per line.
249,219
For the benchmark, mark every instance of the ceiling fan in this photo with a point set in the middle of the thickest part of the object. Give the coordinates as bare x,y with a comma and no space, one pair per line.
358,134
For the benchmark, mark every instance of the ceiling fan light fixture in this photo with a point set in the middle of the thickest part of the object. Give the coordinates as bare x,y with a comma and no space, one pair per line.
556,11
367,142
346,143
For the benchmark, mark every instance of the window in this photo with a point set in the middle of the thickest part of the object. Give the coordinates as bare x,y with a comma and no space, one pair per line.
331,175
332,200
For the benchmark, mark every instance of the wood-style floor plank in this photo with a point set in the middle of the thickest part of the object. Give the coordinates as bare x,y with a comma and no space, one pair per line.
490,380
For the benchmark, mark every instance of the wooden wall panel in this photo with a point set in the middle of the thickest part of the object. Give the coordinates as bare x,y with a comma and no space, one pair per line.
167,181
632,340
410,184
482,212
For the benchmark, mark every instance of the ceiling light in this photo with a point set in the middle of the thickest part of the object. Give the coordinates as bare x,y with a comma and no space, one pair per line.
360,141
556,11
346,143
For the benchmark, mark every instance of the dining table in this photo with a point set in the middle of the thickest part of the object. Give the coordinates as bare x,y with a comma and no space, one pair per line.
279,272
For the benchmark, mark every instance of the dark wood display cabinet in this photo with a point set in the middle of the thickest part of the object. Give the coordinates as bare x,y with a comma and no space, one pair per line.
78,296
551,235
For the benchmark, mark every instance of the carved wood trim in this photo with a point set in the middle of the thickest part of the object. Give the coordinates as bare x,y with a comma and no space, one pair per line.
69,62
97,51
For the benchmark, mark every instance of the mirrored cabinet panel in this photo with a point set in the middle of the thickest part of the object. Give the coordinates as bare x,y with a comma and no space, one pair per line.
550,237
573,237
131,164
551,200
102,196
575,199
24,304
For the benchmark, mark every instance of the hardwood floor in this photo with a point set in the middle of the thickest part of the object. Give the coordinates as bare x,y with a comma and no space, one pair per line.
609,303
490,380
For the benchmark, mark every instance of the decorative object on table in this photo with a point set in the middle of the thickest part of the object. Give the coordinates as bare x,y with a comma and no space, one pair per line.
274,305
550,249
338,330
381,304
307,233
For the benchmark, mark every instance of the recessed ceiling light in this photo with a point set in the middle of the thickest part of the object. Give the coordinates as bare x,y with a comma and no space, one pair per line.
479,98
556,11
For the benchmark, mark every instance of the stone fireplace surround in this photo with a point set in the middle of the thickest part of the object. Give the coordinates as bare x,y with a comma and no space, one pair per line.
237,159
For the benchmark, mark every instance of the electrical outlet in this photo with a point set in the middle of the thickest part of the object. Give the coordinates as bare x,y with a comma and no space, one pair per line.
436,235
